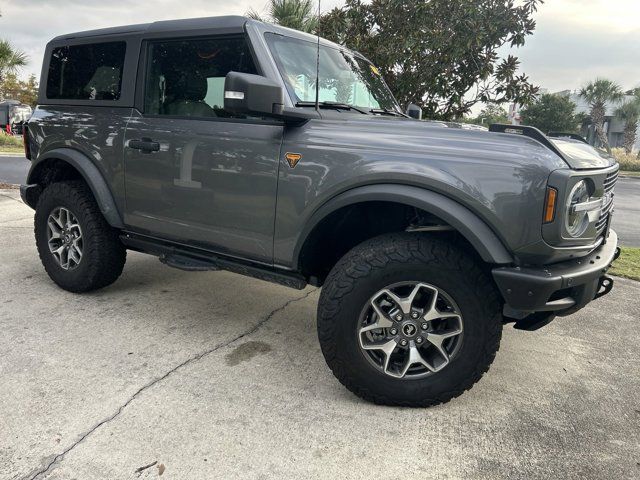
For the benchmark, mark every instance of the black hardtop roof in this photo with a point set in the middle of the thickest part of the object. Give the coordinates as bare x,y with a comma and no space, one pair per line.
231,21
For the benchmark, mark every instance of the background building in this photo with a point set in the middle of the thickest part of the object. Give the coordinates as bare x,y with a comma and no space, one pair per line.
612,125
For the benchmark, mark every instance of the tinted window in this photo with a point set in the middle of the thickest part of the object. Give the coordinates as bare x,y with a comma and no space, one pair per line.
186,77
86,72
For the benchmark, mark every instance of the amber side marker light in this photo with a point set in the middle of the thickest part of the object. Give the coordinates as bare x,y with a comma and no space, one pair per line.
550,205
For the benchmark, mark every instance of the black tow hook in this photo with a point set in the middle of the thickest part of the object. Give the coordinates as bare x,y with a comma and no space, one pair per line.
617,254
604,286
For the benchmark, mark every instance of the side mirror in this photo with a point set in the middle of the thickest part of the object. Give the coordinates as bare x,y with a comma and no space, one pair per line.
414,111
252,94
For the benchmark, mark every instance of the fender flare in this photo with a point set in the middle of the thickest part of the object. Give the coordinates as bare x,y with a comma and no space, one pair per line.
490,248
91,174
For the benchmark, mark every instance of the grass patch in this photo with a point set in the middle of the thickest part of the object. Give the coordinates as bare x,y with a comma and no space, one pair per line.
628,265
629,162
12,150
10,143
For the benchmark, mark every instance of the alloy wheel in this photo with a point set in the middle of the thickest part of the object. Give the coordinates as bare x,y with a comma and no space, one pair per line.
410,330
64,236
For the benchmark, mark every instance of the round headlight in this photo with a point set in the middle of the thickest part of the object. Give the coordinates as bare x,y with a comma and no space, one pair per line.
577,222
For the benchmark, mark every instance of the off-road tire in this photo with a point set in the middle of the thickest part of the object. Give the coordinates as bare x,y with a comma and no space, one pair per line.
103,255
400,257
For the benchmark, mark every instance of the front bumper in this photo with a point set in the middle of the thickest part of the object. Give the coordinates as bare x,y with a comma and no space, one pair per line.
561,288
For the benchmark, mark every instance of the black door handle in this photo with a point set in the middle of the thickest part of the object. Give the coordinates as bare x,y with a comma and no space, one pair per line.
146,145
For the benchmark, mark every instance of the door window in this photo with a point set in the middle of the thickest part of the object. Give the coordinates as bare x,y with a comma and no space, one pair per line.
186,77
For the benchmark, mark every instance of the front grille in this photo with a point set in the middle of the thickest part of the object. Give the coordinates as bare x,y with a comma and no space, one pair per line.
609,184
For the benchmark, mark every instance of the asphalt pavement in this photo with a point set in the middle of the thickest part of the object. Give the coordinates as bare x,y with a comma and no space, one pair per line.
626,217
13,168
626,220
210,375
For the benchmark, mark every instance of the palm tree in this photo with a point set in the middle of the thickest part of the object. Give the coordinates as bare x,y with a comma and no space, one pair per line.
629,113
298,14
10,60
598,93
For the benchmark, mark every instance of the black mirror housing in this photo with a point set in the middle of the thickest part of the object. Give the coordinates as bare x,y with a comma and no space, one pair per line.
252,94
414,111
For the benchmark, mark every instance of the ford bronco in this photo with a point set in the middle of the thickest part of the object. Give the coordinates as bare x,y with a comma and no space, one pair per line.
214,143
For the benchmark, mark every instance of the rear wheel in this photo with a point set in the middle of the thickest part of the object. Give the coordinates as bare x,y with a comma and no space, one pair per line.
407,319
78,248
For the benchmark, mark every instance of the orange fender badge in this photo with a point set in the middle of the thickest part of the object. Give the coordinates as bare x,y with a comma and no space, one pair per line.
292,159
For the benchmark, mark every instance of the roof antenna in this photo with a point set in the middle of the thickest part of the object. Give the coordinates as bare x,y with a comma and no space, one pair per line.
318,63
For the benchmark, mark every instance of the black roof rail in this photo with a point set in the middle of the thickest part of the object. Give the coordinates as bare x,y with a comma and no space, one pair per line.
531,132
573,136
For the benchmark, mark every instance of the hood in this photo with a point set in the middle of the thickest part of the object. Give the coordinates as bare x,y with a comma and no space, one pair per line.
439,141
506,144
571,148
582,156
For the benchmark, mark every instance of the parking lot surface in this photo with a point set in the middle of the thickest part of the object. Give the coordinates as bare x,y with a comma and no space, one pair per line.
217,376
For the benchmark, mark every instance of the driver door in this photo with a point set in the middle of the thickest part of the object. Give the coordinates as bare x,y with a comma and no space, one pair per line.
193,173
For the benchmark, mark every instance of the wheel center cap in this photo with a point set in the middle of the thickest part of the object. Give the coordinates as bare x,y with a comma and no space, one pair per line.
409,329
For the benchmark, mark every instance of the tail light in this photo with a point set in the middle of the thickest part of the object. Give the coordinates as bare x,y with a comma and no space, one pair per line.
25,141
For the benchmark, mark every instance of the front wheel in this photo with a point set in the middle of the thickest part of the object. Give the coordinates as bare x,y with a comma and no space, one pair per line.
407,319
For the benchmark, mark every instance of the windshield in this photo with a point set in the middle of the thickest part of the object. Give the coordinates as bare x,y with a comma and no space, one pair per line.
344,77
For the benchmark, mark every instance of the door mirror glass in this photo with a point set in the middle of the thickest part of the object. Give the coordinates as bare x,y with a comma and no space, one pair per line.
414,111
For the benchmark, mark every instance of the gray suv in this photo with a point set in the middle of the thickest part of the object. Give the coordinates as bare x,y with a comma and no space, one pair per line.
213,144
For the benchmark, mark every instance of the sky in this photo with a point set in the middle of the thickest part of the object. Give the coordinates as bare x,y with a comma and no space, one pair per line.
575,40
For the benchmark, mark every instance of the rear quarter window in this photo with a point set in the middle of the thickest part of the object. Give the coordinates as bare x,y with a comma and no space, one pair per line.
86,72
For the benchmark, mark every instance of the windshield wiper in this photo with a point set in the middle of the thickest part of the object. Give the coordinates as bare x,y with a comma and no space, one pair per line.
386,111
335,105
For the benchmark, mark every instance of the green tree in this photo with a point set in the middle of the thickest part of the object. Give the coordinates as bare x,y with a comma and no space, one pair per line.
552,113
440,54
10,61
629,113
21,90
491,113
298,14
598,93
